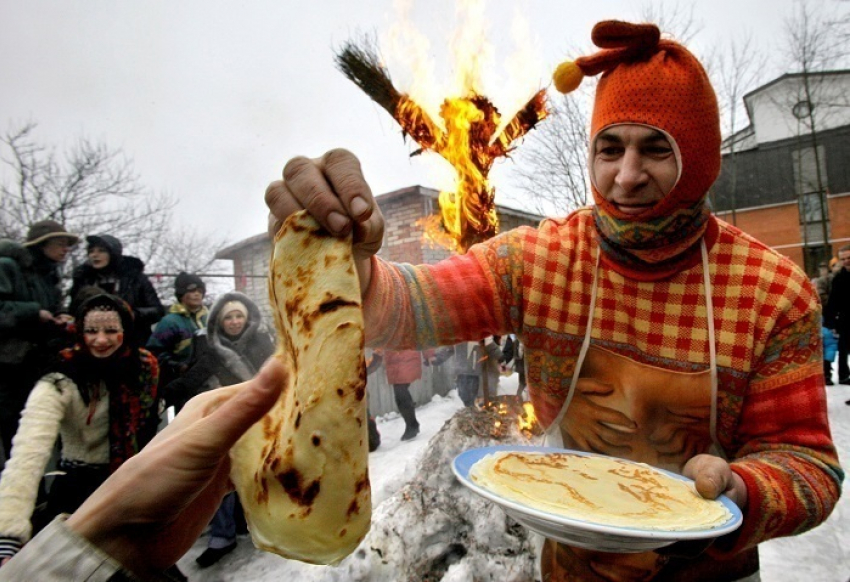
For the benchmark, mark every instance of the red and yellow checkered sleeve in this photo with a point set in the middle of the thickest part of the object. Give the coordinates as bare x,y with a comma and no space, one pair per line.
786,457
463,298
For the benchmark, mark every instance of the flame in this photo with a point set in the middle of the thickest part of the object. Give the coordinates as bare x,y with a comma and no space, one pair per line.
469,142
466,129
527,420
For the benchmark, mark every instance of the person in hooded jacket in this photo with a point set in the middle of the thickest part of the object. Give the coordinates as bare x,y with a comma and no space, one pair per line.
230,350
31,322
100,400
120,275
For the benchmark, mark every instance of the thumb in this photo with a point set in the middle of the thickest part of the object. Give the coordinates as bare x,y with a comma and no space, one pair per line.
251,401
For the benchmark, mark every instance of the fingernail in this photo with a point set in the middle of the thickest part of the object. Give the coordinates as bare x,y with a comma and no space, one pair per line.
337,222
359,206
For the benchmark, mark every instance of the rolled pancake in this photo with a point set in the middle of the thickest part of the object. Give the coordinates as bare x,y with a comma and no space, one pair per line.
601,490
301,472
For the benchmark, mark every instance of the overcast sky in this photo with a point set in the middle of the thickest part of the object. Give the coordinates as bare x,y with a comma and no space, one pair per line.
210,98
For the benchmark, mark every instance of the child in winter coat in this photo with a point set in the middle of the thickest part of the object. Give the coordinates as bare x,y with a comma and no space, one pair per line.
830,350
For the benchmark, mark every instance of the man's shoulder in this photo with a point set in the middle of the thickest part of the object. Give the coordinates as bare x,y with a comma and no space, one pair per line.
743,258
578,225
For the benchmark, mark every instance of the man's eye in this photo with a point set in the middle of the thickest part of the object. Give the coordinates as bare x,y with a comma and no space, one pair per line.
659,151
611,151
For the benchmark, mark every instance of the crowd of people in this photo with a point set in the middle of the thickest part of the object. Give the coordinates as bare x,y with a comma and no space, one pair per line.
86,377
833,288
650,330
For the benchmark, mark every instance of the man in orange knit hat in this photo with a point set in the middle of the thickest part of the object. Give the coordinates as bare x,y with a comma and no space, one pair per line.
653,330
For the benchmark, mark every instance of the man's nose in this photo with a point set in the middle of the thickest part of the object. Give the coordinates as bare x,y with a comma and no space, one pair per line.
631,173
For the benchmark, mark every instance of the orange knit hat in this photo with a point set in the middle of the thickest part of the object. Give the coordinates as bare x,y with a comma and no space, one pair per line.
658,83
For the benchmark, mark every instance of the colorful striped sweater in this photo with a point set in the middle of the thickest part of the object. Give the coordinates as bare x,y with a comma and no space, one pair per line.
536,283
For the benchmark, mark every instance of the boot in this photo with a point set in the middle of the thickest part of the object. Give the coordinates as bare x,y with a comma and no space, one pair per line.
827,373
404,402
213,555
410,432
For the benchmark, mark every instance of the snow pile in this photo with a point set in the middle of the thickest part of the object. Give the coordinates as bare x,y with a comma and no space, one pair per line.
434,529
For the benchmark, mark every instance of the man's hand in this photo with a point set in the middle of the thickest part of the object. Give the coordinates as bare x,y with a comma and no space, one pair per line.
333,190
713,476
152,509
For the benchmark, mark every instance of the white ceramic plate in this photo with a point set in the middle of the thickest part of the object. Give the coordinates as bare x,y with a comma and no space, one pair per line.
586,534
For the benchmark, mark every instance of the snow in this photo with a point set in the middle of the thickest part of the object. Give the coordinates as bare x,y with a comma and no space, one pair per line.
822,554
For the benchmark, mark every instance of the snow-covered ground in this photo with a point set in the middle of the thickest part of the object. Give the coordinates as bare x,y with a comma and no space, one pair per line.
821,555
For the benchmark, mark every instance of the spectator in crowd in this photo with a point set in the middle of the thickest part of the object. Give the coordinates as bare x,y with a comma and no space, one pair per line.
514,351
30,319
403,368
171,340
230,350
837,314
100,399
373,362
823,282
830,350
151,510
653,330
123,276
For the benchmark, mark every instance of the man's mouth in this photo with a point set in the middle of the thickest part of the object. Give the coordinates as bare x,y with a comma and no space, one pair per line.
633,208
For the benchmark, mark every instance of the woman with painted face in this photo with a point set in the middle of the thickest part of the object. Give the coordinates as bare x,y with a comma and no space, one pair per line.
230,350
101,399
109,269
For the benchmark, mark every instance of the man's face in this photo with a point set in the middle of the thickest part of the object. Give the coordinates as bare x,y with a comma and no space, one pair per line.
57,249
844,259
634,166
193,300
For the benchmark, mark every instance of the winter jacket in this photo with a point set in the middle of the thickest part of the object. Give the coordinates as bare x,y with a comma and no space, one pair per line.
837,312
221,361
124,277
536,283
403,367
171,340
830,344
29,282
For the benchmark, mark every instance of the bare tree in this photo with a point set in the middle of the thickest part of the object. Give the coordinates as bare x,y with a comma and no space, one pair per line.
738,70
94,189
551,166
672,19
813,45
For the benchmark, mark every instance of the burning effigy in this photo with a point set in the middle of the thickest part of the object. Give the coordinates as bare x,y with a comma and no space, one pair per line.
470,134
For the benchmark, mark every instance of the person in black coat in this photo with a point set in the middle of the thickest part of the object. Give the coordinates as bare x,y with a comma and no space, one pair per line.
230,350
837,313
123,276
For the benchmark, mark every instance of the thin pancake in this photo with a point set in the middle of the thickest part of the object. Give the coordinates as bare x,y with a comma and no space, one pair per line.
602,490
301,472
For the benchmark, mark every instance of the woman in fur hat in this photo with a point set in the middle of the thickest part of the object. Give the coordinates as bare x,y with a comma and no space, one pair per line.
229,351
101,399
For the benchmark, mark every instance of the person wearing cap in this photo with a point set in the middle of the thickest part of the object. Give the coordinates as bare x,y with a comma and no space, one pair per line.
230,350
653,330
30,318
109,269
171,340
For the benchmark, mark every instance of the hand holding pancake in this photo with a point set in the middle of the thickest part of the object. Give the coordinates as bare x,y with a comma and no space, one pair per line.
714,477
